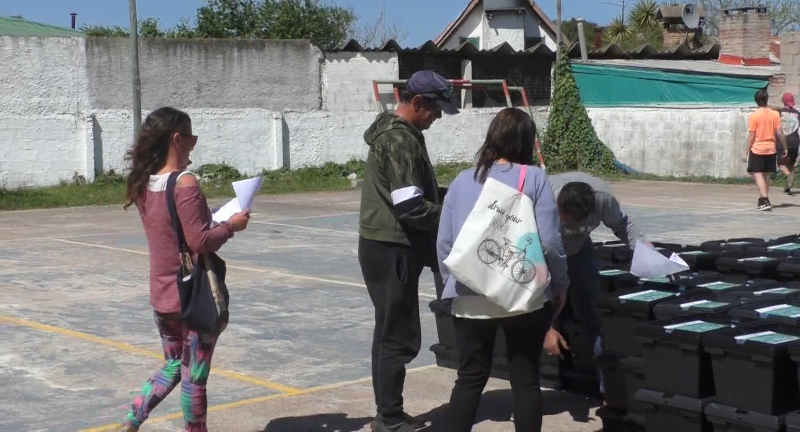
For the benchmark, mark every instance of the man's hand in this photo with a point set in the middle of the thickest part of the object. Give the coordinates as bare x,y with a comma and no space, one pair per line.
744,158
554,342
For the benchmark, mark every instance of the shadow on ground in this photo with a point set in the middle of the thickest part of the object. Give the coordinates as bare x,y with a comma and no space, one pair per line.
318,422
496,406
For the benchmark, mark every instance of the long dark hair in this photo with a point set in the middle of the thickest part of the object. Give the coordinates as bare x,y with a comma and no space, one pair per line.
149,153
511,136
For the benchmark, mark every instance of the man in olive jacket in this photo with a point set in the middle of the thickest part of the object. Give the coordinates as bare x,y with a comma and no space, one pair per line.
400,208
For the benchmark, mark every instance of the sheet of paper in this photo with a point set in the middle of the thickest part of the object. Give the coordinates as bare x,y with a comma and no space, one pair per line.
225,212
246,190
650,263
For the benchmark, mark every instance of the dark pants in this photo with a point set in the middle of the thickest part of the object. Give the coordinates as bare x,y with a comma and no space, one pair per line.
524,340
584,288
391,273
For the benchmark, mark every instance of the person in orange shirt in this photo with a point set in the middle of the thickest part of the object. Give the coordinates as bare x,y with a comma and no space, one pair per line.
761,154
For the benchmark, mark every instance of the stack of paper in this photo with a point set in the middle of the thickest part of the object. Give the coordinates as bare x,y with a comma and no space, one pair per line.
245,190
648,263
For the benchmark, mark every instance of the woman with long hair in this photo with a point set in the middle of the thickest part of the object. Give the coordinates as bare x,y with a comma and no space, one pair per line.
509,145
163,147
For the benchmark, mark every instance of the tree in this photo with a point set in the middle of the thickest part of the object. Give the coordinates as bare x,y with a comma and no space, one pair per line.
784,14
327,25
375,34
570,141
570,30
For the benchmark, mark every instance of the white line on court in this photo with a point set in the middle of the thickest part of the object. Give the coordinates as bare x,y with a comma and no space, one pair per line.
310,217
306,228
275,273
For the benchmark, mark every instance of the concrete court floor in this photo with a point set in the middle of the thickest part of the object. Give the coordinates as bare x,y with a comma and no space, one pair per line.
79,338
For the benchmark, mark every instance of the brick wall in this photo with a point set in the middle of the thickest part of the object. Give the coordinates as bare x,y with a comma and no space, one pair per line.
745,36
674,37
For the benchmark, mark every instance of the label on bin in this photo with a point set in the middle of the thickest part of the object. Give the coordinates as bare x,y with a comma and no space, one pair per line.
694,253
694,326
769,337
718,285
647,296
612,272
756,259
785,247
783,310
781,290
705,304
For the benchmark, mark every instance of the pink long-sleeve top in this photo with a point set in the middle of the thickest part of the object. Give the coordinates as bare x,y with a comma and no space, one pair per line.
195,217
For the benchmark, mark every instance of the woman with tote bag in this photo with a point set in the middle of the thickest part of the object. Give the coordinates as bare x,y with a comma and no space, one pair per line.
503,263
159,186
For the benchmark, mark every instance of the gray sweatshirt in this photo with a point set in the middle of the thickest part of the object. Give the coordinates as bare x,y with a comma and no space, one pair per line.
608,212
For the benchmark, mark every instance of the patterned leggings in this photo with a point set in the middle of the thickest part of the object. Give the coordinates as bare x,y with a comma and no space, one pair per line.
188,361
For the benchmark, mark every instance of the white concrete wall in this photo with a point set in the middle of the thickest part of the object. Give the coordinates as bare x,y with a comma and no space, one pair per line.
319,137
244,139
51,130
347,80
42,128
505,28
675,141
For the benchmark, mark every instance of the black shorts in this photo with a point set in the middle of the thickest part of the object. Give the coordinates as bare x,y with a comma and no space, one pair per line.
762,163
790,159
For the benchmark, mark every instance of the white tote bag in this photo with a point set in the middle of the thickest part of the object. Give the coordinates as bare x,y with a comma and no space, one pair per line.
498,253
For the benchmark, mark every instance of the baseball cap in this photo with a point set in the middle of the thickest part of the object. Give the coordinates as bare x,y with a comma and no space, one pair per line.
788,100
433,86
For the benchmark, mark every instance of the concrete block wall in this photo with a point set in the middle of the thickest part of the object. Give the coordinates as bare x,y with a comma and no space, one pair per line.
675,142
790,61
347,80
42,126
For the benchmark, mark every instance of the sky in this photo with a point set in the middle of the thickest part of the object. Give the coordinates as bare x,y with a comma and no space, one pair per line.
424,19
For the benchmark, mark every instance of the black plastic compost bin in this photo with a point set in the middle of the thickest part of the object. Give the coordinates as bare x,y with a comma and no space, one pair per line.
622,376
671,413
700,259
674,359
730,419
614,277
619,421
621,311
789,269
775,308
716,303
756,264
736,244
752,368
616,252
793,422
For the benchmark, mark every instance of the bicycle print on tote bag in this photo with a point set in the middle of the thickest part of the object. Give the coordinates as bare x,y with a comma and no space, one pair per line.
498,252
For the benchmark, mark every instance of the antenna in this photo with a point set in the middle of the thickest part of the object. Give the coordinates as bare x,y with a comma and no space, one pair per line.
691,19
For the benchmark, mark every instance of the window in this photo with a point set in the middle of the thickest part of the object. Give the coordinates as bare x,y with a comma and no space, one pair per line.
475,41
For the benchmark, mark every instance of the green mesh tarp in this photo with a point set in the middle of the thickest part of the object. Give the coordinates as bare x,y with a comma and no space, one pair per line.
626,86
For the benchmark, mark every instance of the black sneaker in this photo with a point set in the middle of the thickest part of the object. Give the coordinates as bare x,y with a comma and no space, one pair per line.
788,191
416,423
764,205
379,426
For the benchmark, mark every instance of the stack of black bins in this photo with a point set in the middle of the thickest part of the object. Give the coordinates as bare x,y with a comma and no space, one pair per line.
755,377
679,380
623,365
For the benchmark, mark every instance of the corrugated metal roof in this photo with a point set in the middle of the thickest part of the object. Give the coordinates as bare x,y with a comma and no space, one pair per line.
10,26
466,49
